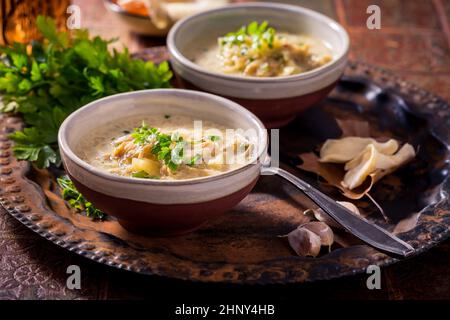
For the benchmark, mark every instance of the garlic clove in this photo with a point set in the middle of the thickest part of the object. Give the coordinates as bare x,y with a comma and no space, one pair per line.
322,230
350,206
304,242
320,215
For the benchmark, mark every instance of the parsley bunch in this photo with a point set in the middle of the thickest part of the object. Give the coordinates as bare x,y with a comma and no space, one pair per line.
76,199
47,80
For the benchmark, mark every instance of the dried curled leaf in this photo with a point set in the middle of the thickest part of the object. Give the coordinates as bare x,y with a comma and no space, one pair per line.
359,174
372,162
356,136
407,223
345,149
333,174
363,167
354,128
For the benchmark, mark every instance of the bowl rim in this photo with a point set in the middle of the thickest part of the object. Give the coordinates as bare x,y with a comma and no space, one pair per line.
333,24
70,154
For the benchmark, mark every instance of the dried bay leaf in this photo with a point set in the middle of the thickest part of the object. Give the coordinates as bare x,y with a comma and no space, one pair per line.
354,127
407,223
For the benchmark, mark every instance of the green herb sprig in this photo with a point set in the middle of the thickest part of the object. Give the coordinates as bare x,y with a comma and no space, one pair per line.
58,75
257,34
76,200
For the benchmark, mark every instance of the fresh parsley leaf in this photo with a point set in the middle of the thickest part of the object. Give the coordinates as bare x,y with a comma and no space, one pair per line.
166,148
194,160
47,27
172,165
61,74
144,175
214,138
76,200
258,35
35,72
19,60
27,152
47,156
30,144
143,134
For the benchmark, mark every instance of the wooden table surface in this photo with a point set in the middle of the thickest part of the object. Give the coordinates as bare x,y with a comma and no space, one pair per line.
414,42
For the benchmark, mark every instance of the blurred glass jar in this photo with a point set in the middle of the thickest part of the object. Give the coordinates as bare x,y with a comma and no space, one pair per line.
18,18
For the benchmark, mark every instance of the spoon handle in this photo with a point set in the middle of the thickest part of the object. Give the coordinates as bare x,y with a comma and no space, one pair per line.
365,230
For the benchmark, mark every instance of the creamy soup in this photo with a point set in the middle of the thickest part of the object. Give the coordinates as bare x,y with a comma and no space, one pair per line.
259,51
169,147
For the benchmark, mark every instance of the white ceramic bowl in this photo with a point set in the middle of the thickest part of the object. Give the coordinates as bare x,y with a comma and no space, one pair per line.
275,100
134,22
159,206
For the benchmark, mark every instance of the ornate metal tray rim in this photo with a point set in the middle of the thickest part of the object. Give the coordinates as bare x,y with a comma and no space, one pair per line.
24,214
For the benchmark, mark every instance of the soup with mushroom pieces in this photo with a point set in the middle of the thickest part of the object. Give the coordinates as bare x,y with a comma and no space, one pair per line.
257,50
172,150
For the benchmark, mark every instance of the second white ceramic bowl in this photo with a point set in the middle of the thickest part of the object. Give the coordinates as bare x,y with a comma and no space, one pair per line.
275,100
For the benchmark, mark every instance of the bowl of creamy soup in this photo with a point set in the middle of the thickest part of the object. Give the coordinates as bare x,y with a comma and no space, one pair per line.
165,161
274,59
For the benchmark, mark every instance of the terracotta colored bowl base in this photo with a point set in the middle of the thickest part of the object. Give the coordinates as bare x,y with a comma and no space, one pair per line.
274,113
161,219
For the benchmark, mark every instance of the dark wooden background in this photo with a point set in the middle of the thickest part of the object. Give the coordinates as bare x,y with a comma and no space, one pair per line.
414,42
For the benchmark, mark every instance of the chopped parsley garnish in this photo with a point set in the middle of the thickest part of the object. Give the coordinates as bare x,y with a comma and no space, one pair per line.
144,134
76,200
254,34
144,175
214,138
167,148
194,160
45,81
